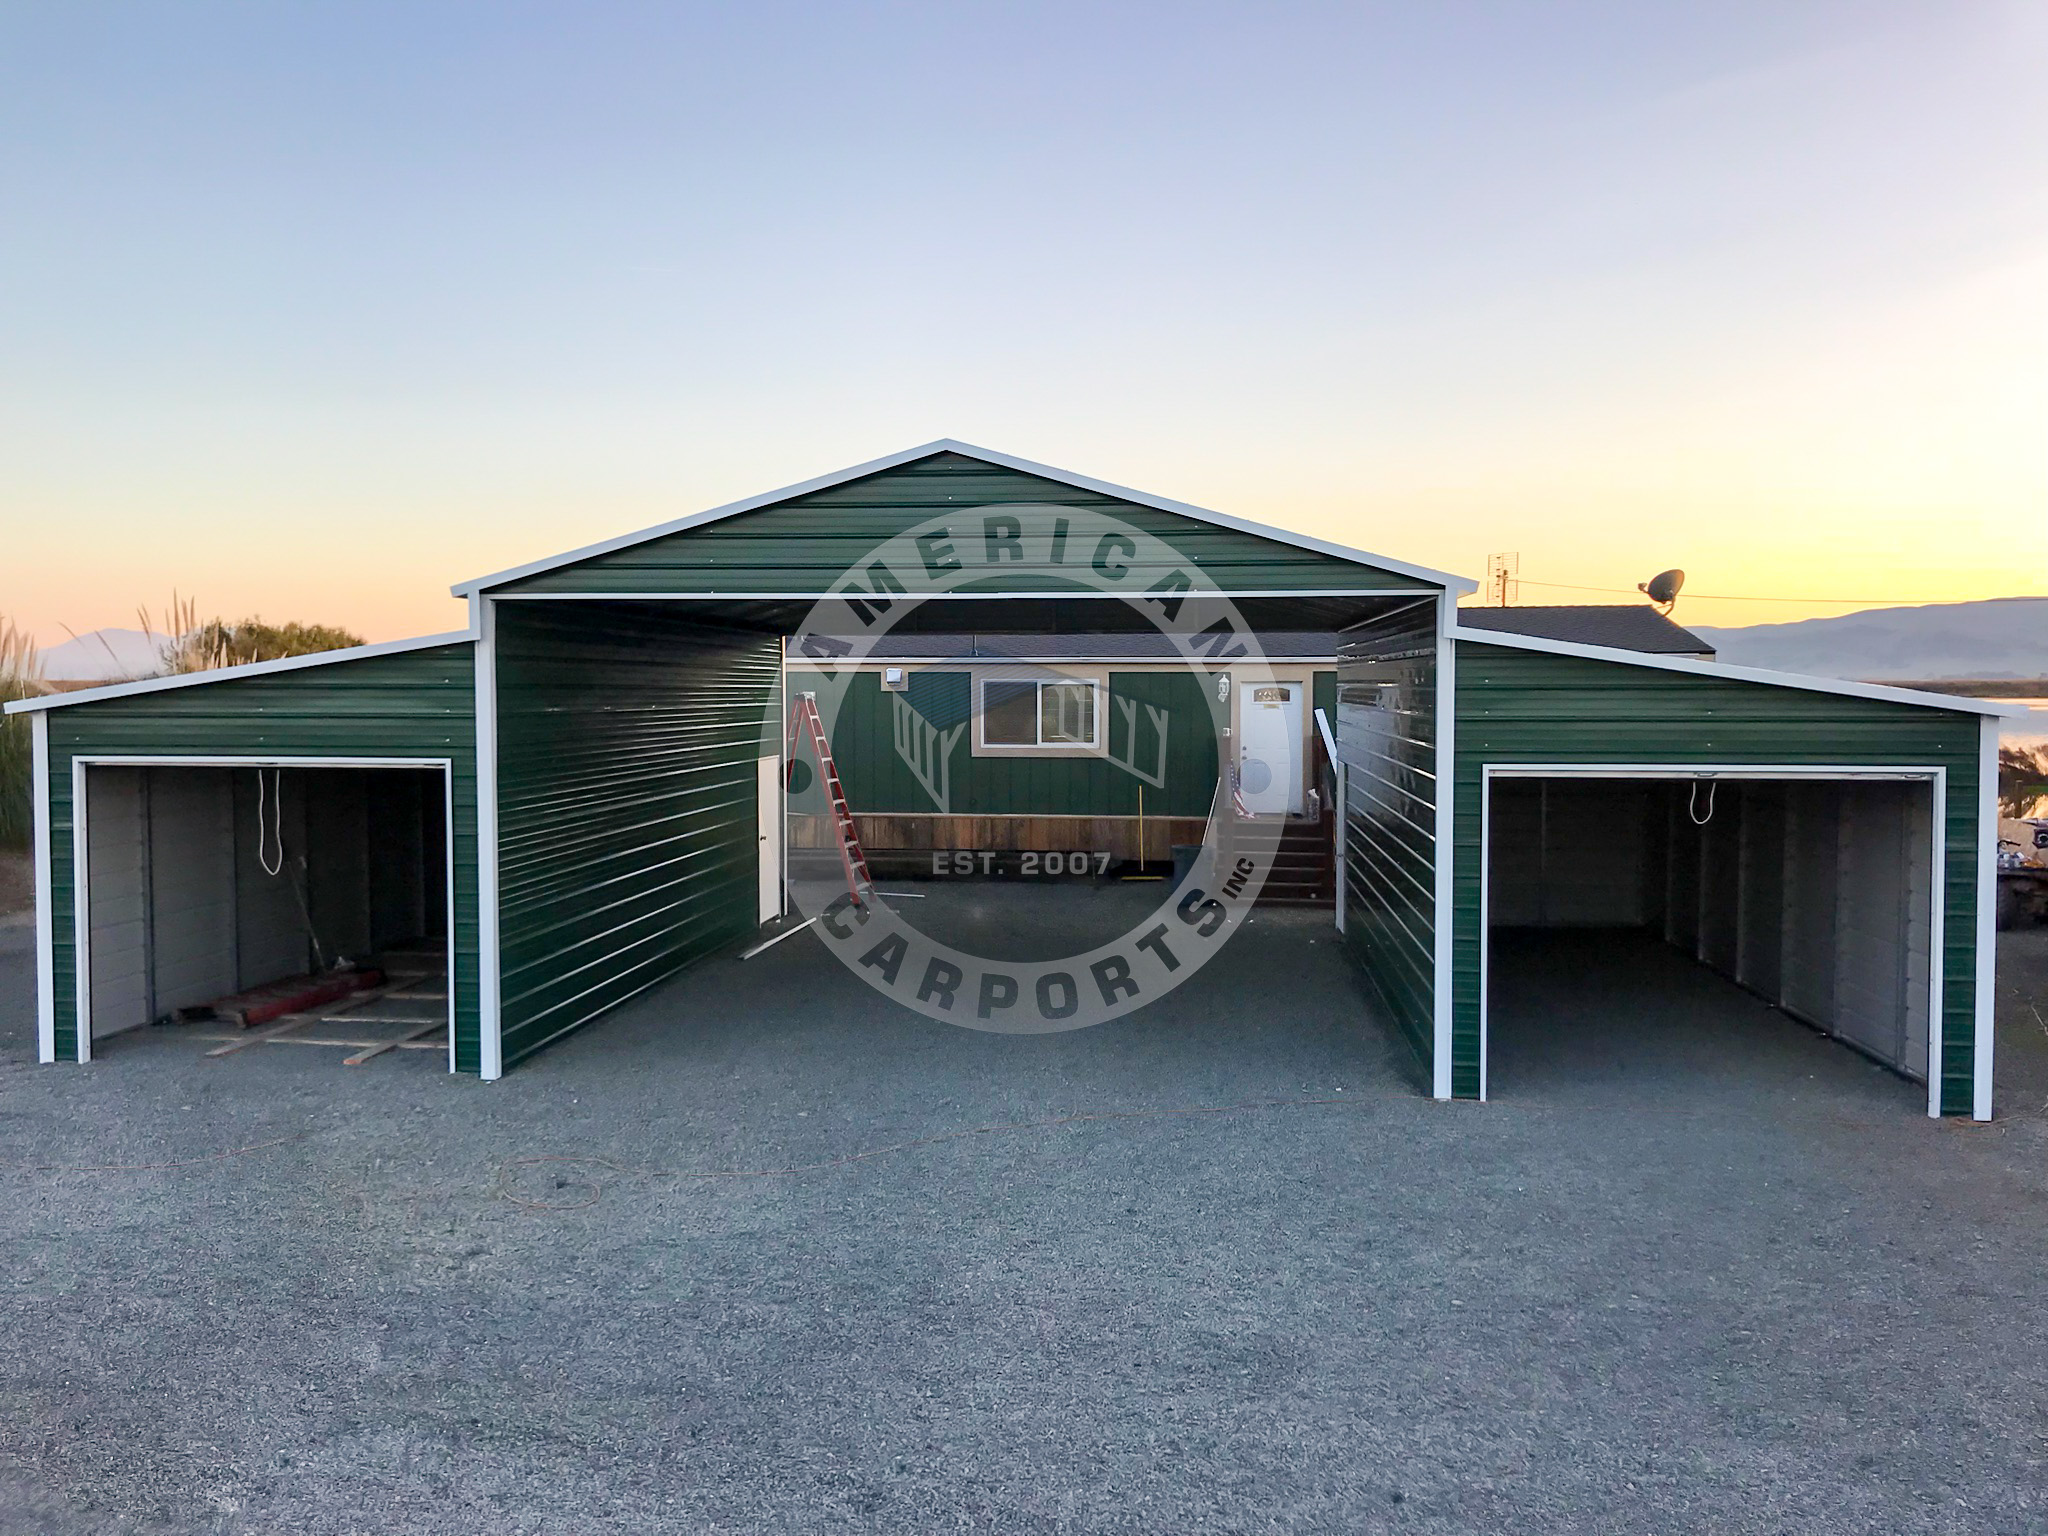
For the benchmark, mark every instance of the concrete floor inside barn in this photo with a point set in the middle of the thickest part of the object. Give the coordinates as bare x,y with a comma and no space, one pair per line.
1695,1268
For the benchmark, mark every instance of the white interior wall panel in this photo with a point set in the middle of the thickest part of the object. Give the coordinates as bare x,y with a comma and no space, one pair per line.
1882,875
1920,894
191,887
117,863
1806,963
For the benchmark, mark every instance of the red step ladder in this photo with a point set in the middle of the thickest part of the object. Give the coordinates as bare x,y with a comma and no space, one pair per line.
859,883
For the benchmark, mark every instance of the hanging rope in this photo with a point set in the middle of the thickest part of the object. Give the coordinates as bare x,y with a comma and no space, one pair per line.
274,830
1692,804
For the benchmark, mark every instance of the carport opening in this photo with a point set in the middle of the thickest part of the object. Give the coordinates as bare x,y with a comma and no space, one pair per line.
1815,895
302,905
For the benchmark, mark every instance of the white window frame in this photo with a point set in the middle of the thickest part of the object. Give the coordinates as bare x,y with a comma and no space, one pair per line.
1097,684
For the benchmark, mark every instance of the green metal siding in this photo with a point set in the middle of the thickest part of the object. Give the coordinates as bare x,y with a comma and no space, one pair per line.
411,704
628,830
1386,729
804,544
1530,707
879,782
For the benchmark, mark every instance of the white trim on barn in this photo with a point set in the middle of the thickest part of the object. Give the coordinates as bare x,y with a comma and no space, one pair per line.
1935,777
490,981
987,456
230,674
81,893
81,929
1720,669
46,912
1444,835
1987,918
1132,598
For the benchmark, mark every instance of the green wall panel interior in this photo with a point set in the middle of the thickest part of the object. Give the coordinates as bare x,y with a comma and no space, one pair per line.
802,545
878,781
410,704
1386,728
628,831
1532,707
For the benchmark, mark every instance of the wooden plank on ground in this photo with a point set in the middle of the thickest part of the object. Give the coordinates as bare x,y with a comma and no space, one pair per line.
391,1045
283,1026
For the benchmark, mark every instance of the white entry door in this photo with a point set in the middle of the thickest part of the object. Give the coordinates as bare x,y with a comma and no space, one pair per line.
1269,748
769,786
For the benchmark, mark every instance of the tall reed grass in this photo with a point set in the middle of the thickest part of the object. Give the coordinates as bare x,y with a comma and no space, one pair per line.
186,643
21,677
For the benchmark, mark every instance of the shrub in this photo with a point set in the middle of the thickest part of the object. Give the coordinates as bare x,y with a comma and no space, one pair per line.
21,677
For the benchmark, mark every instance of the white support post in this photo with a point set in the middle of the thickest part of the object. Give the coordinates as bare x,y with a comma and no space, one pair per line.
1987,915
46,914
1446,823
490,1021
81,918
1937,933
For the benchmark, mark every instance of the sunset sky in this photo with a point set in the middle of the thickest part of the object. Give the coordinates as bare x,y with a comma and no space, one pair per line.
311,310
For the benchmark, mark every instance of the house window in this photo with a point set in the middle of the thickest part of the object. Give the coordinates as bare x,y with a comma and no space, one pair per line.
1019,712
1066,714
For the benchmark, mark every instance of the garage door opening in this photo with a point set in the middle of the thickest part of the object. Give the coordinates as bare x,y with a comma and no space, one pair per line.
1815,894
266,903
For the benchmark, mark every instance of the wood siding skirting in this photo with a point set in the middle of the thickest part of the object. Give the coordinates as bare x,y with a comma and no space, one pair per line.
1117,836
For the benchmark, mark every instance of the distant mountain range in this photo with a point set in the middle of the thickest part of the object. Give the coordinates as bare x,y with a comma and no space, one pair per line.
103,656
2001,637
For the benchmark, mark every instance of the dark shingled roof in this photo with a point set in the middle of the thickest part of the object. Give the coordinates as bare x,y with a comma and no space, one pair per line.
1628,627
1142,645
1624,626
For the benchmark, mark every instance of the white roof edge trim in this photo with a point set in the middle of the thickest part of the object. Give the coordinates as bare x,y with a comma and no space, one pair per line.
1954,702
231,674
1458,584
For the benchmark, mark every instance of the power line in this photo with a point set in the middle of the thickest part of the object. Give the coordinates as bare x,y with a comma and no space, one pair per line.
1729,597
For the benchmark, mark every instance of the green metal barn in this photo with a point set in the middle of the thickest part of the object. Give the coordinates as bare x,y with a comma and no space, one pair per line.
588,790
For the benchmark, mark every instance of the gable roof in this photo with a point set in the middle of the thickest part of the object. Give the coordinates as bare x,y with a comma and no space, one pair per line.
1623,626
988,456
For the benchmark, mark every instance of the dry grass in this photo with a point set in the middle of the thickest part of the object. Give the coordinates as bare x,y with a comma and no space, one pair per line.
21,677
187,643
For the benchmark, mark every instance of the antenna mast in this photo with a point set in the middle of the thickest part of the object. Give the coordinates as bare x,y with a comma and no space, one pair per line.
1501,586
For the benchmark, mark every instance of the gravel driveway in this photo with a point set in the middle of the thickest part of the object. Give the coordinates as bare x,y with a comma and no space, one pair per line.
1695,1269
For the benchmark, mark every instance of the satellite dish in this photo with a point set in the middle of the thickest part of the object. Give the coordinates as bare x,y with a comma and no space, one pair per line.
1662,588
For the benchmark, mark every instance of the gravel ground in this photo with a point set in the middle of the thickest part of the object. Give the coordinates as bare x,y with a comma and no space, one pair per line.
1695,1269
